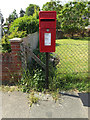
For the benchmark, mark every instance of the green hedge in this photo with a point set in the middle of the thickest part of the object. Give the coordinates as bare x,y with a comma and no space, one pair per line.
30,24
6,47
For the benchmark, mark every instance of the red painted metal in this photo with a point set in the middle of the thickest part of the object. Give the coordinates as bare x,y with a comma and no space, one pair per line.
47,31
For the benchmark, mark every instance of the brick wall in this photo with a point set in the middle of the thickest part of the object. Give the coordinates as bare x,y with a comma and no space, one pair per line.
11,62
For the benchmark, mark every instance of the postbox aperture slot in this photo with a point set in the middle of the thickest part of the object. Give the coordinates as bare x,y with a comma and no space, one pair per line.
47,19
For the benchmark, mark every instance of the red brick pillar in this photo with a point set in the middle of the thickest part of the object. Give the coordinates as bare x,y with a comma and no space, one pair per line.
11,62
15,45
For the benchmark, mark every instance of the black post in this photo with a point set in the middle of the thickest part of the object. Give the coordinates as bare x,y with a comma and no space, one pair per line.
47,70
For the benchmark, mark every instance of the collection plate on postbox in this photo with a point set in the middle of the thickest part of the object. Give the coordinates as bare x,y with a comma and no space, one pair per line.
47,31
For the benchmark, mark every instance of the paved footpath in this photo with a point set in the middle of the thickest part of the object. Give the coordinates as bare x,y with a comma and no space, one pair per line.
15,105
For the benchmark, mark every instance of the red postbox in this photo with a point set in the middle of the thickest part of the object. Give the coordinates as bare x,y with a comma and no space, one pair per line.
47,31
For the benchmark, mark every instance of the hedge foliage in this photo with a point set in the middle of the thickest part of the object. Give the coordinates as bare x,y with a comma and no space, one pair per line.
6,47
20,28
30,24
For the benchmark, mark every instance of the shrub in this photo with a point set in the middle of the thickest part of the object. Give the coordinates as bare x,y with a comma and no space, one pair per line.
16,33
29,24
5,40
6,44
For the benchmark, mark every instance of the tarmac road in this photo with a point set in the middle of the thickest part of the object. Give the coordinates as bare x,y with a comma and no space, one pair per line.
15,105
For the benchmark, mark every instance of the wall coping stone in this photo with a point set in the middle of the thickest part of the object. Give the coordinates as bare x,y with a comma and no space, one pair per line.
16,40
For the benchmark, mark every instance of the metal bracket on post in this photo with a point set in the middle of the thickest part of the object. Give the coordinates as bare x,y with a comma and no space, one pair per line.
47,70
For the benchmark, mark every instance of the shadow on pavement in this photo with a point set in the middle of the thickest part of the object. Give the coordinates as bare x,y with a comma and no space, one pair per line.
67,94
85,97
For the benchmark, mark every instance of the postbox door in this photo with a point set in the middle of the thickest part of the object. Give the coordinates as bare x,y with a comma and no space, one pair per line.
47,39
